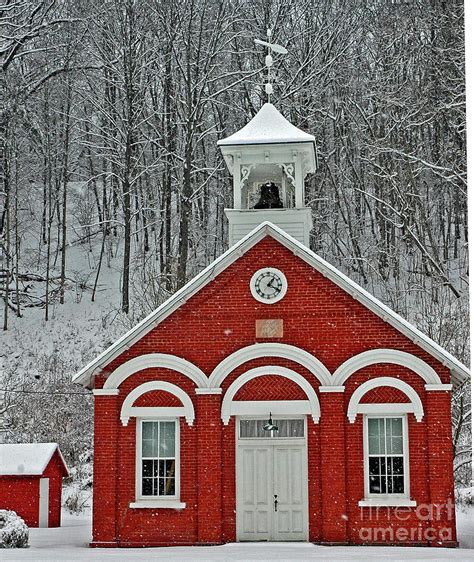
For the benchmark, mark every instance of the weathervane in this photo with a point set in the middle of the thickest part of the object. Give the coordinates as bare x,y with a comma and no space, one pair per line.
269,60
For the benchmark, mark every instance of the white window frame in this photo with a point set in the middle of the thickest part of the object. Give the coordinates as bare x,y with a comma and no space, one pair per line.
373,499
270,438
142,501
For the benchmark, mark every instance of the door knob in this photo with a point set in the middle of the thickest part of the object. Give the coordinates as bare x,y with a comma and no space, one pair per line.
276,502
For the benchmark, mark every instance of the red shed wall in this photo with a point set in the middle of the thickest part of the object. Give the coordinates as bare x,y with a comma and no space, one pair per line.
21,494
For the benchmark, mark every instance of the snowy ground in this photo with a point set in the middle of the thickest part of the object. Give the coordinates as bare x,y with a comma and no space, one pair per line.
70,543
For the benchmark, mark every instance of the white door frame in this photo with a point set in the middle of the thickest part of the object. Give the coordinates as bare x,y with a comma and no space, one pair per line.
43,514
272,442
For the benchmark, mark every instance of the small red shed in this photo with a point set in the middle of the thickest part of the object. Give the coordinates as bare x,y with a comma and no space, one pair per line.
31,478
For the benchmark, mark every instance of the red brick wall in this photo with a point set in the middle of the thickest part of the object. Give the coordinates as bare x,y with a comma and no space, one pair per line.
365,522
319,318
21,494
156,526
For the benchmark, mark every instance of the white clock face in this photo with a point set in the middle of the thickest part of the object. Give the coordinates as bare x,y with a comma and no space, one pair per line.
268,285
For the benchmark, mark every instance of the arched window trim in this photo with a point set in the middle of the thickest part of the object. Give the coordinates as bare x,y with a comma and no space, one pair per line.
415,405
312,402
128,410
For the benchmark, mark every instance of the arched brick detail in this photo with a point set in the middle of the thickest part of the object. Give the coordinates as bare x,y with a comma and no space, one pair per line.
157,398
270,387
384,394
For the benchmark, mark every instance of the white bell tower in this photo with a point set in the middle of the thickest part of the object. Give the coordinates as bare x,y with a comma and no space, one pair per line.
270,151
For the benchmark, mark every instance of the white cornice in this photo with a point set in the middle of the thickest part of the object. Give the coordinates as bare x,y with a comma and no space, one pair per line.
331,388
201,391
105,391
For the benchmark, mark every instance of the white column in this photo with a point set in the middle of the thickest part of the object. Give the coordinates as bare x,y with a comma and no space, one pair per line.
299,184
237,186
283,189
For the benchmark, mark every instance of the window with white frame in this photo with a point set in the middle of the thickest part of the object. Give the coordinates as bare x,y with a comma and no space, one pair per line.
287,429
386,456
158,459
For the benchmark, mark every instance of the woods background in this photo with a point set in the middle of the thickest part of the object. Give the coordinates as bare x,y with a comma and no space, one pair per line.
112,188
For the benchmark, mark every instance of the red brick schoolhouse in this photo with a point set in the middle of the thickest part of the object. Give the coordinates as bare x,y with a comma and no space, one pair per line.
272,398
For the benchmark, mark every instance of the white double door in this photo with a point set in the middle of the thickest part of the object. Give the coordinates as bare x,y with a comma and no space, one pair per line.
272,492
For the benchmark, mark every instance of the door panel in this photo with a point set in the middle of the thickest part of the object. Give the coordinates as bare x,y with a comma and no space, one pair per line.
254,503
290,485
262,472
43,518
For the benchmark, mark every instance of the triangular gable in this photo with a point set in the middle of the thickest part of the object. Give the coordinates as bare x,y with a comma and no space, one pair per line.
459,372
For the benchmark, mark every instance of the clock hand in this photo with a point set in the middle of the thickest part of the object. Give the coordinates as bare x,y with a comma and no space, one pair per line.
270,284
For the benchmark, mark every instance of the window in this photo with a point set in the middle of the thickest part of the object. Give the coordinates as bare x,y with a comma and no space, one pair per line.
157,465
253,429
386,465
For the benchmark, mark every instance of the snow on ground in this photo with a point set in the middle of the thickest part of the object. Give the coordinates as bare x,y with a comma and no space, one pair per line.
465,527
70,542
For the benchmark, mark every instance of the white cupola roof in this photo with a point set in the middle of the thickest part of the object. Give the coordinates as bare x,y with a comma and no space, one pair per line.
269,159
267,127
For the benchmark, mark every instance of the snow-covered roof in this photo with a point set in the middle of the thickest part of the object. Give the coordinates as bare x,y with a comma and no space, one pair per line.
267,127
459,372
27,459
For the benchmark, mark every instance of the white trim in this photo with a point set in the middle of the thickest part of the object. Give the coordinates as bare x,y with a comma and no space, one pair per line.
331,388
273,442
387,502
281,294
43,508
166,501
276,407
459,371
393,356
259,350
147,412
437,387
354,406
227,402
105,391
162,360
406,462
157,504
128,410
386,408
200,391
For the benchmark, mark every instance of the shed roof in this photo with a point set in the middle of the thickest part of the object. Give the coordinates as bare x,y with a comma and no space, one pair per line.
267,127
28,459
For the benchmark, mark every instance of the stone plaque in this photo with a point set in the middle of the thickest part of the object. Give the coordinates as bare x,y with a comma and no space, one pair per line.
269,328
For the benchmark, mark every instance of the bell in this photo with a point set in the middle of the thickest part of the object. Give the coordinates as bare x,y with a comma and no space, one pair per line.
269,197
269,426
